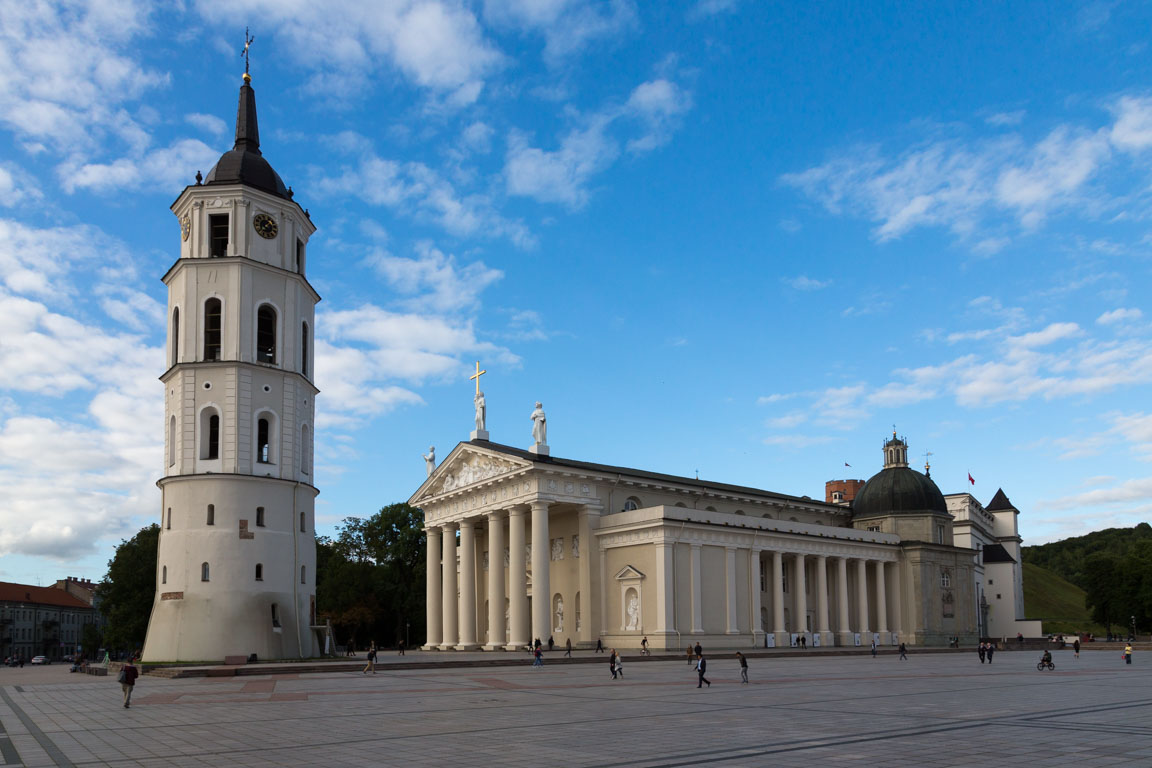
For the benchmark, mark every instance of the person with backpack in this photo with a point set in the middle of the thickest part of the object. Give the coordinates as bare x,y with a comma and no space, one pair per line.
127,678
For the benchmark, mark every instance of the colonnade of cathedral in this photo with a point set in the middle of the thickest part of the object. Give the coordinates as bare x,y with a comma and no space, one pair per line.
831,598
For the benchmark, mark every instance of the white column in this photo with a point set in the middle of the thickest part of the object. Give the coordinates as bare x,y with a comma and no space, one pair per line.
822,600
862,600
497,636
588,630
665,584
800,582
730,589
448,586
517,580
541,587
897,602
778,628
754,577
467,586
697,605
881,603
432,592
843,630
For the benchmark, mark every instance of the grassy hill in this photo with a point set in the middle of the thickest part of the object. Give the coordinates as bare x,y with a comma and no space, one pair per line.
1059,603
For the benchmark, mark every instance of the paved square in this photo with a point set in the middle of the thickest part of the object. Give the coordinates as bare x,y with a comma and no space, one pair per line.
932,710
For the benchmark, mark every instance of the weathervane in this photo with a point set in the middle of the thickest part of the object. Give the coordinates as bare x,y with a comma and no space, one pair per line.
248,40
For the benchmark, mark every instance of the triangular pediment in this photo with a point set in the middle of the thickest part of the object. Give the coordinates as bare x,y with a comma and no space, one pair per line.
628,572
467,465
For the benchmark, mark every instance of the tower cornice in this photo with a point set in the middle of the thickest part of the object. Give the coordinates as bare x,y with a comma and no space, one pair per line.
206,364
242,261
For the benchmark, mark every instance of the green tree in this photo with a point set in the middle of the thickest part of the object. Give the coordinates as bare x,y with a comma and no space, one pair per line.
128,589
370,578
1104,583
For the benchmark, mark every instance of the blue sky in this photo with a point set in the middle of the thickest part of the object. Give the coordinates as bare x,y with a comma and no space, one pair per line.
734,238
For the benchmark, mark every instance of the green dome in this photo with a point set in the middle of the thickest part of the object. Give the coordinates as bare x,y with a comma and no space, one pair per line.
898,491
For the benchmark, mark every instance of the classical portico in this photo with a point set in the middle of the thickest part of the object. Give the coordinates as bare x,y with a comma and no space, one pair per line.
525,546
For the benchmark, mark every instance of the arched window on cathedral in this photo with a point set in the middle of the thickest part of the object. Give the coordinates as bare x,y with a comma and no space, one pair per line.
266,334
203,571
263,440
213,325
171,441
211,514
275,615
209,434
259,572
175,335
631,503
304,348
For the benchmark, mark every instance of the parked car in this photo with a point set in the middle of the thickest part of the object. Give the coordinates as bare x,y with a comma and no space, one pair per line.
69,657
40,660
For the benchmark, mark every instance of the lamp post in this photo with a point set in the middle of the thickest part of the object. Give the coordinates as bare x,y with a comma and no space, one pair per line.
1133,635
407,635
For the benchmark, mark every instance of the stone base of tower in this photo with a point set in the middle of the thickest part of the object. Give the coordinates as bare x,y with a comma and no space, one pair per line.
210,629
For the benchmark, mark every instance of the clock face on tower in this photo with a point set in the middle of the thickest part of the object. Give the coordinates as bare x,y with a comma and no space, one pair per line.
264,225
185,226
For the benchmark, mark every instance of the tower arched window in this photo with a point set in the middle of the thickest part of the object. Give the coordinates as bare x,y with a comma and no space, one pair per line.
171,441
302,523
259,572
164,574
175,335
264,440
266,334
168,522
209,434
211,514
304,348
203,571
303,574
260,517
213,328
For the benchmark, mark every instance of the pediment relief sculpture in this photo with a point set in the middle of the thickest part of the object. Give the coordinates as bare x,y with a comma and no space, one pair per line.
471,468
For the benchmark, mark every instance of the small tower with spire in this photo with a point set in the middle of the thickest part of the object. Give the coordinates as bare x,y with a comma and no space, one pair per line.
236,570
895,451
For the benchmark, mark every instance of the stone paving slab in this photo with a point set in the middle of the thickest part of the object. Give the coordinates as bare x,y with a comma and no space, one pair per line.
932,710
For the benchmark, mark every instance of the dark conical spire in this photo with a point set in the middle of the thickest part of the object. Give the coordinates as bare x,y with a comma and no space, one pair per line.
247,130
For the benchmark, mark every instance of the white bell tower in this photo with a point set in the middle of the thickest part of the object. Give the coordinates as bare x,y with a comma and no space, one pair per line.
236,570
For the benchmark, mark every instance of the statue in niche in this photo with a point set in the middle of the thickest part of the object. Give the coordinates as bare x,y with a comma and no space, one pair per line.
485,560
481,411
558,549
528,553
430,460
539,425
633,612
559,614
505,557
576,546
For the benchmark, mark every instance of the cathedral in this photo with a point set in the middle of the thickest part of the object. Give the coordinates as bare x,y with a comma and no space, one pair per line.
236,569
522,545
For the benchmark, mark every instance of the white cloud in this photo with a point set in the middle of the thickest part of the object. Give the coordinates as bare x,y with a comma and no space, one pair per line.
437,45
1120,315
805,283
1132,130
207,123
705,8
1050,334
788,421
16,186
438,282
560,176
1006,118
568,26
165,169
1136,490
657,104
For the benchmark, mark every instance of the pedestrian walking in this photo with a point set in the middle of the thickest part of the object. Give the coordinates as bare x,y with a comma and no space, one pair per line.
743,667
371,665
990,650
127,678
691,655
568,647
644,647
620,665
873,648
1128,653
698,650
599,646
903,652
537,657
551,644
701,668
612,663
400,648
1076,648
980,650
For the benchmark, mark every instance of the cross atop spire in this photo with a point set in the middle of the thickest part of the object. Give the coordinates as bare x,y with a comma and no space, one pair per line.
248,40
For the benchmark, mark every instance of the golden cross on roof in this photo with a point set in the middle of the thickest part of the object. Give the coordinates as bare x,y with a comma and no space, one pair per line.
248,40
476,376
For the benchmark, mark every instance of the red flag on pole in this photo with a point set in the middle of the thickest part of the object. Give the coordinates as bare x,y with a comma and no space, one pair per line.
970,480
